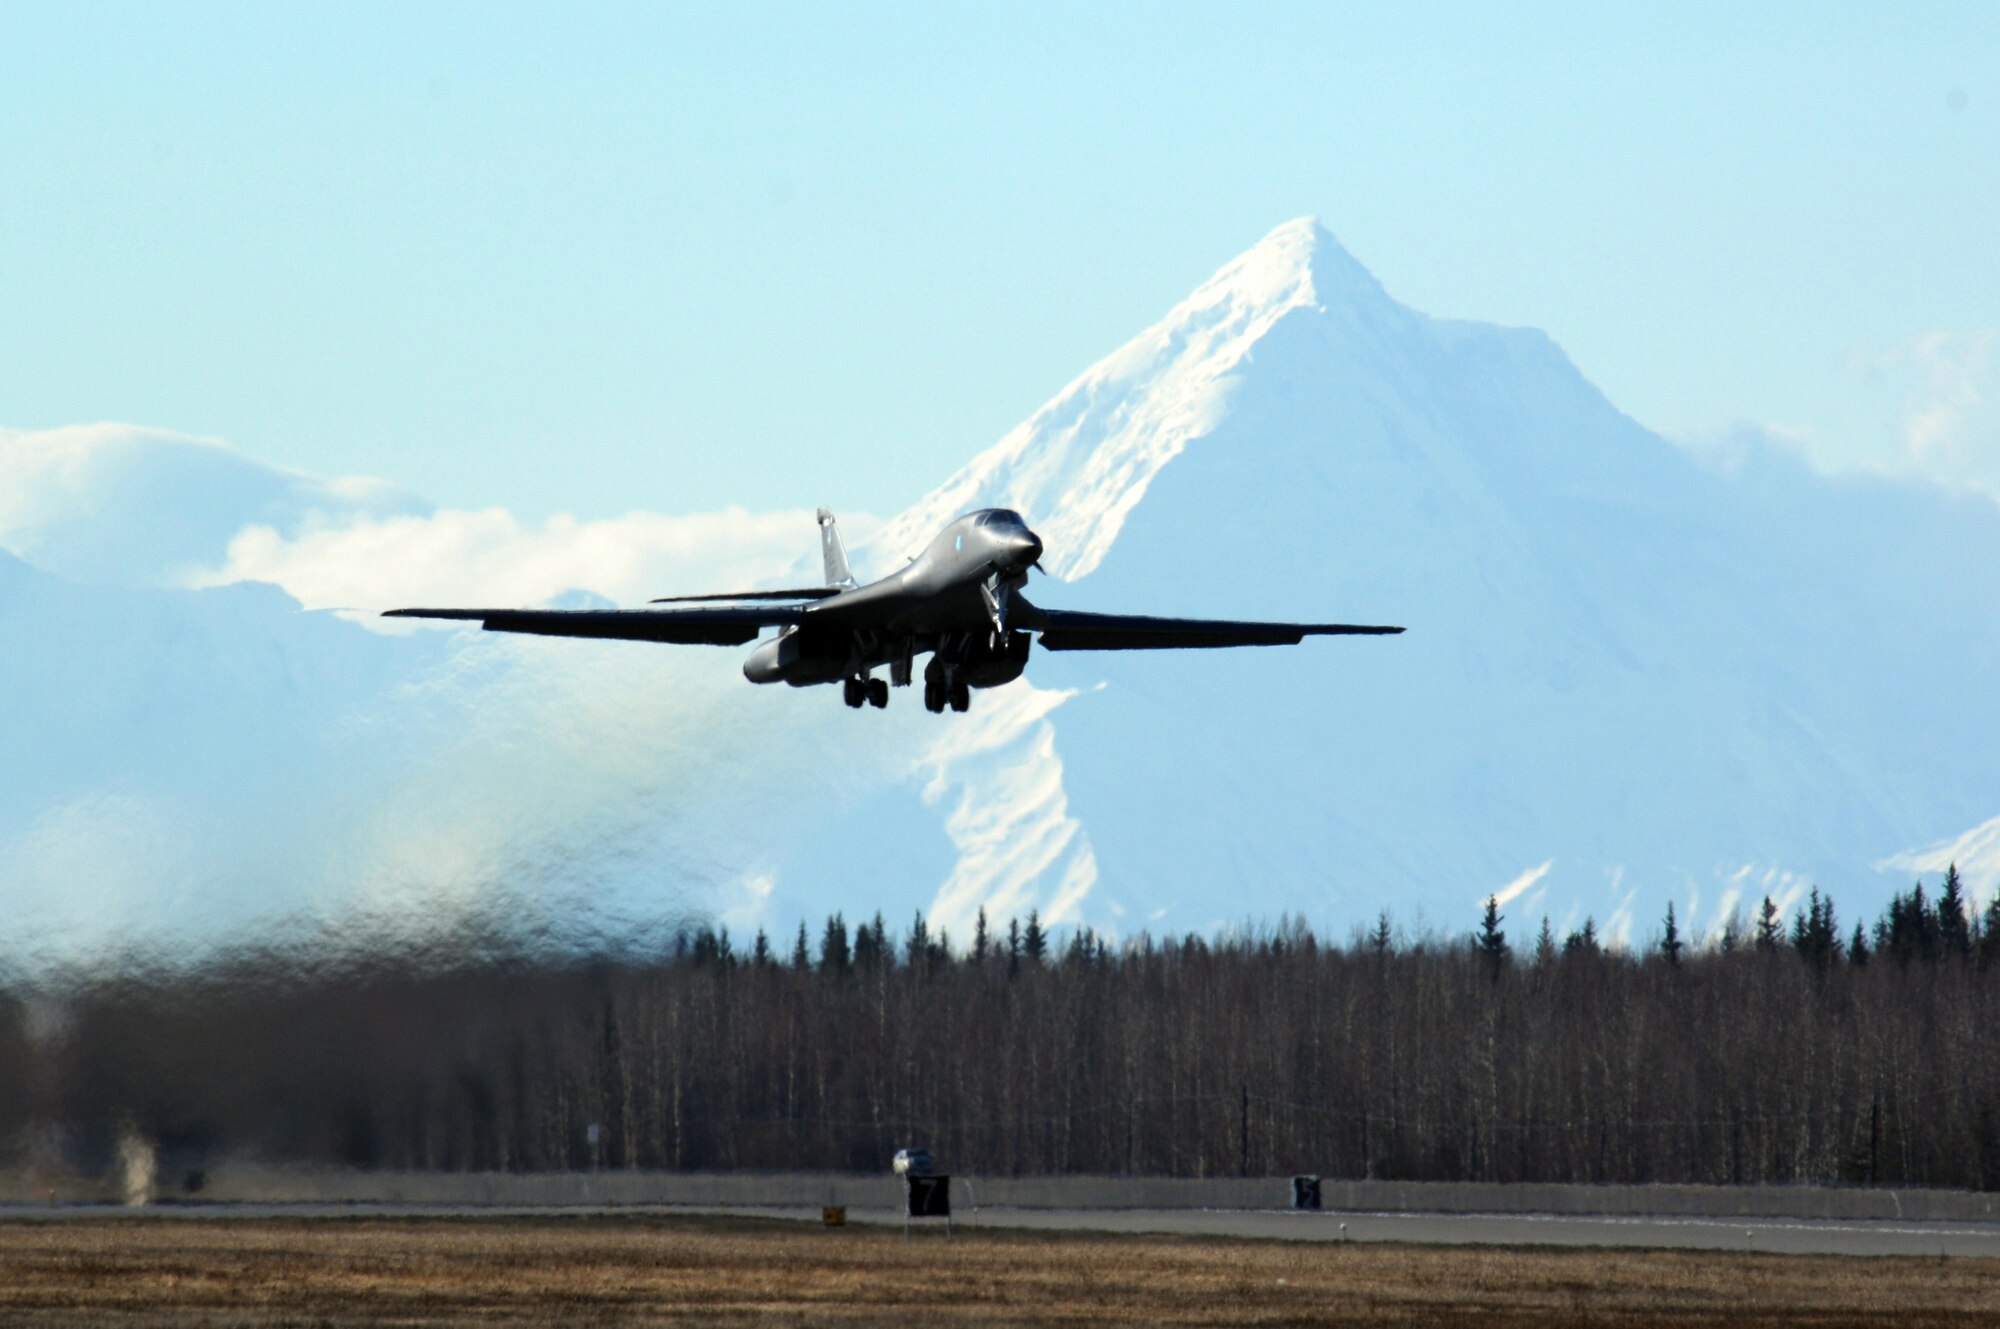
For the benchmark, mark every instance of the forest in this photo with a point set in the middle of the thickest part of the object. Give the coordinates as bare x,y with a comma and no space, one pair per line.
1790,1050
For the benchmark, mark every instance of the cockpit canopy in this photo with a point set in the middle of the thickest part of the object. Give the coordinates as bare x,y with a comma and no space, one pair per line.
999,517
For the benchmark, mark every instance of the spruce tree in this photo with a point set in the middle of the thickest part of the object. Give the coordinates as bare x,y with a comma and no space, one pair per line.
1989,932
1815,934
1381,938
1034,941
1954,930
1770,932
1491,942
1545,944
1924,920
981,943
1908,929
801,949
1670,943
1582,941
1857,949
834,955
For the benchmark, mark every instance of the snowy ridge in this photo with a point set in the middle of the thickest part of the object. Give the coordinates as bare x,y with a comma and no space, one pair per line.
1019,846
1975,853
1080,465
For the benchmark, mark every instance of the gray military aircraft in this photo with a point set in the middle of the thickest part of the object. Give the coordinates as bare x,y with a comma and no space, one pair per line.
960,601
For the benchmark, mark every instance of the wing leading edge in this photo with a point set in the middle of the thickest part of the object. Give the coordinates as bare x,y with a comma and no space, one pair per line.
688,627
1065,630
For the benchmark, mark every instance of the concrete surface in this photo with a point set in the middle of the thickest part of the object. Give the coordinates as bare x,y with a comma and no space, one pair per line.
238,1181
1781,1236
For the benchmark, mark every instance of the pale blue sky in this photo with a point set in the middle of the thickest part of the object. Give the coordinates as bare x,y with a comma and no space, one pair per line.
589,259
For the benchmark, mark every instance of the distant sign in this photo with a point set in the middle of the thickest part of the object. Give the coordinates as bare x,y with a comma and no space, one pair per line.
929,1195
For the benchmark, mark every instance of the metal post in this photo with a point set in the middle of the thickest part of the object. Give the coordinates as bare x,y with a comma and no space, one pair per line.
1874,1134
1246,1129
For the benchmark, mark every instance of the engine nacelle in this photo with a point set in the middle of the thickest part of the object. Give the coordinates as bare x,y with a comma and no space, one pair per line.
997,663
790,658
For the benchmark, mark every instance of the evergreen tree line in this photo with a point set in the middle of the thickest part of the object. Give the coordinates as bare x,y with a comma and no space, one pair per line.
1792,1050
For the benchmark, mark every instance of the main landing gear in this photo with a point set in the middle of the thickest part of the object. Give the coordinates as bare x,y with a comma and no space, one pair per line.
873,691
942,688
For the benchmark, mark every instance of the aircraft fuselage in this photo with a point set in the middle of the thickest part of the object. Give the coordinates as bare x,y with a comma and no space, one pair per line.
953,602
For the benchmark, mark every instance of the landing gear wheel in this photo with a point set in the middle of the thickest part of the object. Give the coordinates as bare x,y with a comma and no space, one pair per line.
854,691
934,693
961,695
878,693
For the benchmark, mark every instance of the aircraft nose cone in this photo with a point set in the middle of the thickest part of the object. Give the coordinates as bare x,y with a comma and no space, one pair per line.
1028,547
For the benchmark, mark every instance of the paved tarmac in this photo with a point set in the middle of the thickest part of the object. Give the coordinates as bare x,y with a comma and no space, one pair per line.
1770,1236
1779,1236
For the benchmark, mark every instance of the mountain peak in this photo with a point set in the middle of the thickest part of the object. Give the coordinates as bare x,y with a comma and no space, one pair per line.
1298,263
1082,462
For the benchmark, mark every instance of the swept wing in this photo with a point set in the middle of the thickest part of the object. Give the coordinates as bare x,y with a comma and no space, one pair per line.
1067,630
719,626
806,593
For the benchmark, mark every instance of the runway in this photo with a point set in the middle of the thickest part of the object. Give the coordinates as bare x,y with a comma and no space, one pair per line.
1748,1236
1766,1236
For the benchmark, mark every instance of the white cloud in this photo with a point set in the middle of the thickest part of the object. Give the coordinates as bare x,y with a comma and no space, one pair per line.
1515,888
146,507
1951,414
1927,409
491,557
1939,400
1617,930
1728,915
135,506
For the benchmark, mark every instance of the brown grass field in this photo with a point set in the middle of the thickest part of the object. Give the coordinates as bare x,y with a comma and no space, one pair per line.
629,1271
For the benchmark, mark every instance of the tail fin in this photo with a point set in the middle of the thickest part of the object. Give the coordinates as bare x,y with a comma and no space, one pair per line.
836,557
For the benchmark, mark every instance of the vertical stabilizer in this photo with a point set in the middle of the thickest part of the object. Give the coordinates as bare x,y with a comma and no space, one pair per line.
836,557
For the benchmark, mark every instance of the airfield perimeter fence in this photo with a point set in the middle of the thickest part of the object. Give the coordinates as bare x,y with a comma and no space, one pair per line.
1783,1058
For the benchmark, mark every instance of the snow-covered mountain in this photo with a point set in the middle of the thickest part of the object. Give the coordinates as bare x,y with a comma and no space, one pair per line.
117,505
1631,674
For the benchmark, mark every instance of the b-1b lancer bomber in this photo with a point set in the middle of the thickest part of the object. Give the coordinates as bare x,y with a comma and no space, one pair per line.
959,601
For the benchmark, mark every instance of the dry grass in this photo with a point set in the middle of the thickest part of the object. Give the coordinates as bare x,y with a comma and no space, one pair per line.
577,1271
